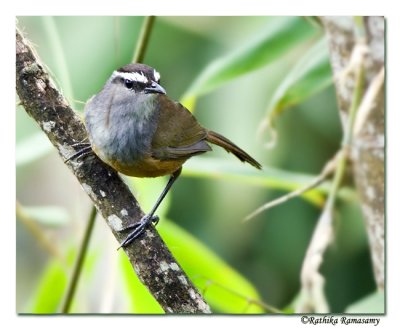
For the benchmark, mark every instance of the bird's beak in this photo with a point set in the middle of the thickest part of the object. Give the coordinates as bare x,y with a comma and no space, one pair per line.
155,88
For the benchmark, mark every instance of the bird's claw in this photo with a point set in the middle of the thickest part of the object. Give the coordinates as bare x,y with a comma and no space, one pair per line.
138,229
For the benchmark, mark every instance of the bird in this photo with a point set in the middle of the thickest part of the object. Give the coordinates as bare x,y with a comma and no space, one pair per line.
135,128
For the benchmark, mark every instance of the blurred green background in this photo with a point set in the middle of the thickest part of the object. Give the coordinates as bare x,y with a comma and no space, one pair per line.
234,73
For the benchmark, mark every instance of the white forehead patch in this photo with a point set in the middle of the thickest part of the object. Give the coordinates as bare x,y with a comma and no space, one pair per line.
157,75
134,76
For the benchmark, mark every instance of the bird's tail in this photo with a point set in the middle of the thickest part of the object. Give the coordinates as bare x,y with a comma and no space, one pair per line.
224,142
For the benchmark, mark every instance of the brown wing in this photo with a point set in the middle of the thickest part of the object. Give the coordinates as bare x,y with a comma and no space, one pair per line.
178,134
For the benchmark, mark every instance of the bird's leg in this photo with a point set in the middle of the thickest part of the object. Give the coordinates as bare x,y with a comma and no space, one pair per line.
140,227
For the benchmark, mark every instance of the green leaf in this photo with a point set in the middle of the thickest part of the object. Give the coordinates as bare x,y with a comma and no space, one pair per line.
48,215
373,303
139,298
269,177
50,289
140,301
310,75
282,34
32,148
223,287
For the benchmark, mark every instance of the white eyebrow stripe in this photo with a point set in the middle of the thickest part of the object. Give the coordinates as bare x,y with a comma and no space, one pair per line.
157,75
134,76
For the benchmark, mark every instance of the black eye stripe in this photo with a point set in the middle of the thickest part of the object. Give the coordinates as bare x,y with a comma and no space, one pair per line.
128,83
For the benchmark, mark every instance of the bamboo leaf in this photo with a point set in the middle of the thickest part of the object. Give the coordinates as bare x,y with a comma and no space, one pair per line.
223,287
282,34
50,289
140,301
268,177
310,75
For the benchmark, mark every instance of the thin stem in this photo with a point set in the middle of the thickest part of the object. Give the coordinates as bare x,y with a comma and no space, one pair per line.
144,36
348,134
61,67
250,300
355,104
369,101
359,30
79,262
327,171
117,24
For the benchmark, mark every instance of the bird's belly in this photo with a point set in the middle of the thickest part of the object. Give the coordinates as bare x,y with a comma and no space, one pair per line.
148,167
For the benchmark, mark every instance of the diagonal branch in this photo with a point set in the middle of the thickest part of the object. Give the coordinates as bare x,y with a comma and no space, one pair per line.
150,258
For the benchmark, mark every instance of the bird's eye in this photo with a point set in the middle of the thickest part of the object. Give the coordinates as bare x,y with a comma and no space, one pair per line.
128,83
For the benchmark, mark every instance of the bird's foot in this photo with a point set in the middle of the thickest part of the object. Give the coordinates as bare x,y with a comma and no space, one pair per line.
84,149
138,229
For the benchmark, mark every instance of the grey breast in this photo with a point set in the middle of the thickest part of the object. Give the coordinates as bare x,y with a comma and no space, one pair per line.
121,126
